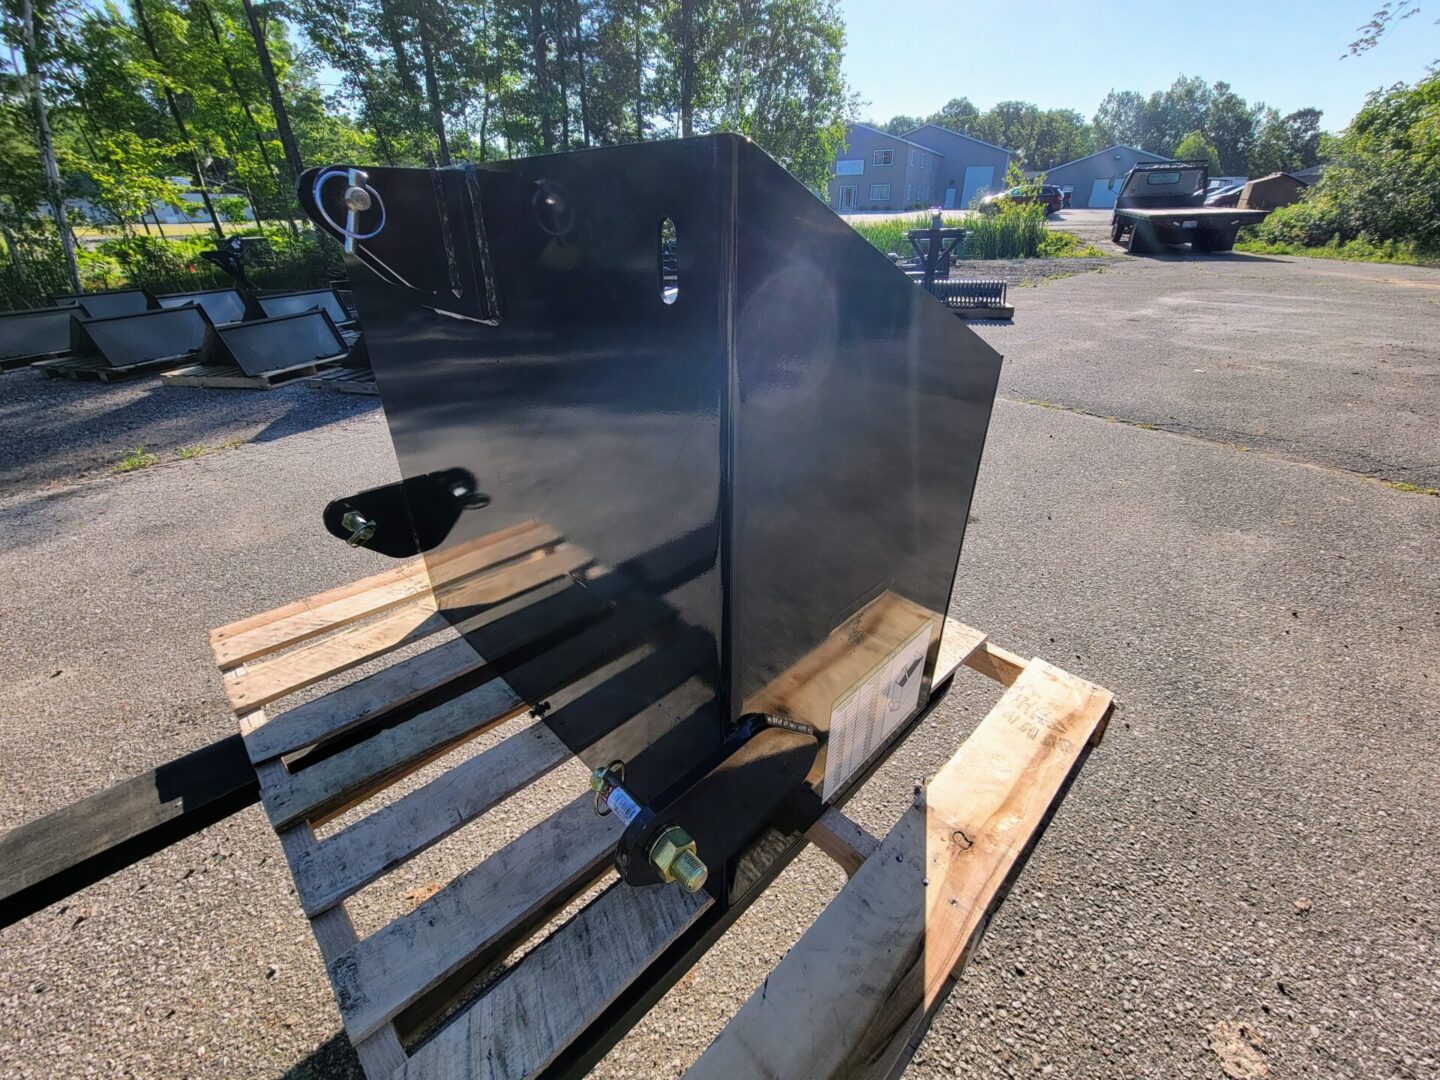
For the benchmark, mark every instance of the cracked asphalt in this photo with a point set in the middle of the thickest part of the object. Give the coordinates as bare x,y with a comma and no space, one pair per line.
1240,884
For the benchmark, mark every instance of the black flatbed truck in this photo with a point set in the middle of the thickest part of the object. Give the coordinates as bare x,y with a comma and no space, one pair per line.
1162,204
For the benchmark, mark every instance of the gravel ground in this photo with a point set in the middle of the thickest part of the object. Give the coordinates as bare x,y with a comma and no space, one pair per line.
1241,883
1025,272
55,431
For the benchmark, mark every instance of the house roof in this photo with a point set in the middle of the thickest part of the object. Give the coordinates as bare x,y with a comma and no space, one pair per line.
959,135
1117,146
900,138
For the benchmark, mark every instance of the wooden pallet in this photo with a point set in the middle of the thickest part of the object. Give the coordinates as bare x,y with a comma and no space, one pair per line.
409,995
94,369
15,363
227,376
346,381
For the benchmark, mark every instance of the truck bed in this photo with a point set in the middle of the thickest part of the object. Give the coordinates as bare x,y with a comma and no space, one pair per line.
1228,214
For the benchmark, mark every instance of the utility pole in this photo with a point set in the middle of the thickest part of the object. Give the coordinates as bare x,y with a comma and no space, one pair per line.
47,148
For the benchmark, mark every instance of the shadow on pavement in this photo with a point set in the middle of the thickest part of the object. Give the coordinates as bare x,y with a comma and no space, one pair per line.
54,430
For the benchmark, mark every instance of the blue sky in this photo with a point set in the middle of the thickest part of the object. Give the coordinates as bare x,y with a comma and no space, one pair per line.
906,57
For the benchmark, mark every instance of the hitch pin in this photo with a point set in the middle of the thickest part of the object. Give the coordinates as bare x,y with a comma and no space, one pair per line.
673,852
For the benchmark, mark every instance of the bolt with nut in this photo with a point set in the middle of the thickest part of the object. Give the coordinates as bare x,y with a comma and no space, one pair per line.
673,853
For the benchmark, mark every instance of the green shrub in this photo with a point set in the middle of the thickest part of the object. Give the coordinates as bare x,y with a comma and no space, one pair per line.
168,265
1015,231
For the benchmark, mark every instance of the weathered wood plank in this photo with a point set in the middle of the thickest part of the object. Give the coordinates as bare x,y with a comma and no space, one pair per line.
478,913
326,787
352,858
47,859
381,1054
958,643
633,699
843,840
313,792
996,663
261,682
533,615
394,588
879,957
329,611
265,681
565,983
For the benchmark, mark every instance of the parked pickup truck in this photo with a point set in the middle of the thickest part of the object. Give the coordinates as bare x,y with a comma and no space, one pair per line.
1163,203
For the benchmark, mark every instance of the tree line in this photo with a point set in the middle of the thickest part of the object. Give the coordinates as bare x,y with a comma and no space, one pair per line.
109,102
1190,119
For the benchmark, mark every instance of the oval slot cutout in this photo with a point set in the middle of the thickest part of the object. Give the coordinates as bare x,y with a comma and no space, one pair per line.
668,261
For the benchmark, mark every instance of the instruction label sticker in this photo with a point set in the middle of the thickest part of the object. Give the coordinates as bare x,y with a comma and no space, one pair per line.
874,709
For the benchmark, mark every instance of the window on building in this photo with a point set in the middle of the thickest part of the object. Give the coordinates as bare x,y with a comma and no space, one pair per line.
912,157
909,193
850,167
879,192
882,157
848,193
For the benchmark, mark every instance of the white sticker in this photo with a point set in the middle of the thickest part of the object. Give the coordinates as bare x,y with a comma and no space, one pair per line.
868,714
621,802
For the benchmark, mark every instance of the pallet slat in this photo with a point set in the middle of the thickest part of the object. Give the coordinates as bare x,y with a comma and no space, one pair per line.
474,915
268,680
847,996
326,785
249,639
545,610
346,862
540,1007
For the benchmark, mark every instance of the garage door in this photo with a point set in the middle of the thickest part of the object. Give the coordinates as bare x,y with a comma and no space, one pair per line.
977,178
1102,193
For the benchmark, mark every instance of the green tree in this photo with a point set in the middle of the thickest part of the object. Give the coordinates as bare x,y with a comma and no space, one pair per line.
1230,128
1195,147
1123,119
1384,185
957,114
899,125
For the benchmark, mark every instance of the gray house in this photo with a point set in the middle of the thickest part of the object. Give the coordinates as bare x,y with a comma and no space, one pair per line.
969,166
877,171
1094,180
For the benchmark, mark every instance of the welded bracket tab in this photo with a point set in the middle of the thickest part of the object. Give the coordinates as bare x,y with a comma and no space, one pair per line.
364,216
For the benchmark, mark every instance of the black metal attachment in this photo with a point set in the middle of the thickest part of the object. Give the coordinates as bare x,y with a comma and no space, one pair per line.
273,344
673,353
408,518
969,294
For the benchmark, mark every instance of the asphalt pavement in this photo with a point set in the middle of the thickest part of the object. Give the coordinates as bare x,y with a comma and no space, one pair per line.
1241,883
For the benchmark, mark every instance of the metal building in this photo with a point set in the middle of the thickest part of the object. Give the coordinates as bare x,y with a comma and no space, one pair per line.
1094,180
970,167
875,170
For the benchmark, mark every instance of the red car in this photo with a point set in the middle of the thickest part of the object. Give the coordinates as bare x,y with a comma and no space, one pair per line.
1048,194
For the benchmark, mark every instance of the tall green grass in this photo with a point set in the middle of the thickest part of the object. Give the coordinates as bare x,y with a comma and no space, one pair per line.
1015,232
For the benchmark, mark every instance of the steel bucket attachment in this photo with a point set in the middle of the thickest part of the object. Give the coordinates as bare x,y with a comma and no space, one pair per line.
765,438
275,344
291,303
102,305
141,338
219,305
34,334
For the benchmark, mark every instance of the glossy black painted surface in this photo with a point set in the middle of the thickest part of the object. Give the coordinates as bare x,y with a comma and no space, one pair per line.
756,399
273,344
35,332
142,336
